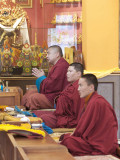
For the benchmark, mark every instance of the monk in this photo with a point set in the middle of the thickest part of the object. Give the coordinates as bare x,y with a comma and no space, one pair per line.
48,87
68,102
96,132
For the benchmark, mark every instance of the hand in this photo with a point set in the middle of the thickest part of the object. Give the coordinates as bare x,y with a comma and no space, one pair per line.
61,137
37,73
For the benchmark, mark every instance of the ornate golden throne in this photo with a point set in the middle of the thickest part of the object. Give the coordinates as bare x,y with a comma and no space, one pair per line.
14,32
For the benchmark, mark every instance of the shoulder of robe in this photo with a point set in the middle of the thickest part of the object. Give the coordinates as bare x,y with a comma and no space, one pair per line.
100,101
63,62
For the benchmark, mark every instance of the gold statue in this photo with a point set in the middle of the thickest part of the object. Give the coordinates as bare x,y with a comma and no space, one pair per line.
11,18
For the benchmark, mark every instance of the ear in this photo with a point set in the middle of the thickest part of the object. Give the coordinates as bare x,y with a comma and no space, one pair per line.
57,54
92,88
79,74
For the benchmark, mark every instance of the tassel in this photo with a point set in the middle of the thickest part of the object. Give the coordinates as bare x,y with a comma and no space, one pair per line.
23,112
46,128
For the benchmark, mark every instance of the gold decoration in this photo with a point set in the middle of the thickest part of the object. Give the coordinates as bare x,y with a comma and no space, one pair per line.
74,18
54,20
41,3
13,13
79,40
70,0
64,1
79,19
35,51
78,57
52,1
11,18
23,3
68,55
35,38
58,1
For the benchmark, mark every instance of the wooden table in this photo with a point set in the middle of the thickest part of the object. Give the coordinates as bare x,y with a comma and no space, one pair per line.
20,81
11,98
14,147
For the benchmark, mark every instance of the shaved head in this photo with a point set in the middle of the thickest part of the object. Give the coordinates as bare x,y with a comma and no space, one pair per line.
57,48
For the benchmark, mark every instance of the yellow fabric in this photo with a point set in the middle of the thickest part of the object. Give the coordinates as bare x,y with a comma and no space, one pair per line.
7,127
5,116
3,107
68,55
101,74
26,125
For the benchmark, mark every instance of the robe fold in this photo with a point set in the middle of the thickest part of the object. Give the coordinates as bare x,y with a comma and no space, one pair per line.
96,132
50,87
67,109
68,106
56,80
48,117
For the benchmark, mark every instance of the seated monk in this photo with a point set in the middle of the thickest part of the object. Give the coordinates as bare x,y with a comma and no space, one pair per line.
96,132
48,87
68,102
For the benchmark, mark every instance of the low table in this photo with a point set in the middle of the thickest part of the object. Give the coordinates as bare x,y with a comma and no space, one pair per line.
14,147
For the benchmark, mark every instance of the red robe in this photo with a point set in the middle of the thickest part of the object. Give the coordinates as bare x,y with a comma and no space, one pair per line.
55,81
96,132
67,109
68,106
50,87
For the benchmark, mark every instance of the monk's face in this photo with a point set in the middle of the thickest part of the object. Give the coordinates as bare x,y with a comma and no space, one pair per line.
72,74
52,55
84,89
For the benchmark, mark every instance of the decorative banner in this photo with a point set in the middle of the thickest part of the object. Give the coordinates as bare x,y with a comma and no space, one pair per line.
67,18
23,3
63,35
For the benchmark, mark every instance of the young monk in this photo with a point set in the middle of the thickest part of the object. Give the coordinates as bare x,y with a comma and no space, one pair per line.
96,132
48,87
68,102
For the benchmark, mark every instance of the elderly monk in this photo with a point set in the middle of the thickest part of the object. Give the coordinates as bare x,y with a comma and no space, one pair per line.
48,87
68,102
96,132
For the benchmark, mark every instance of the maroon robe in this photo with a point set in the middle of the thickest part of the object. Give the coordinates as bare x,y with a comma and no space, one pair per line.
96,132
67,109
68,106
56,80
50,87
